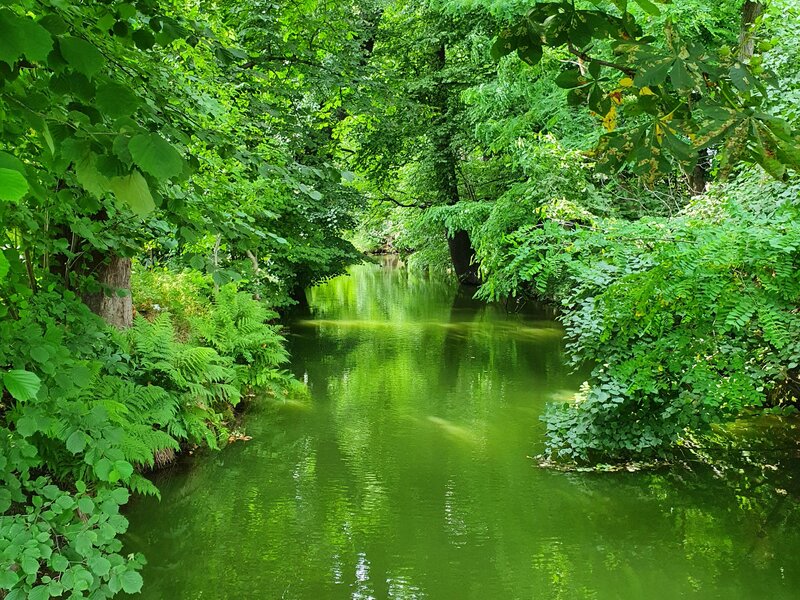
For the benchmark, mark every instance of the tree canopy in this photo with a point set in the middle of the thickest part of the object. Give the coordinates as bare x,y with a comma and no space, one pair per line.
172,172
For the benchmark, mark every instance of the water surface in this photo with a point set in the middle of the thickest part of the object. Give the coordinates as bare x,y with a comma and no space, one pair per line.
407,476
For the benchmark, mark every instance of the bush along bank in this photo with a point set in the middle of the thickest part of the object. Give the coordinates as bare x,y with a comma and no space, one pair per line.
689,321
87,409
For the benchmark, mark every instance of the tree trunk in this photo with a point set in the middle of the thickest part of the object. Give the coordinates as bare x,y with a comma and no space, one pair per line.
750,12
114,277
462,255
699,176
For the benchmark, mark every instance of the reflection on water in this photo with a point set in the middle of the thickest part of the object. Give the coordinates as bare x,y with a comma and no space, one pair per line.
407,477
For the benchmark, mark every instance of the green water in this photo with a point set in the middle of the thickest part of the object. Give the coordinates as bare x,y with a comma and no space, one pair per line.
407,476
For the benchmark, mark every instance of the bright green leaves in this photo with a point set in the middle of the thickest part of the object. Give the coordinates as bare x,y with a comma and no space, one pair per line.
20,36
13,179
649,7
22,385
777,150
155,155
82,56
13,185
89,176
76,442
131,582
100,565
133,190
66,544
104,173
117,100
680,76
4,266
646,5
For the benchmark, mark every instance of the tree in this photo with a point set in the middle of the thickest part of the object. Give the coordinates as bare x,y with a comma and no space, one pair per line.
678,95
411,142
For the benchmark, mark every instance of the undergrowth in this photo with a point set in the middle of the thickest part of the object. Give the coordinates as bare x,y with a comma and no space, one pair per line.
87,410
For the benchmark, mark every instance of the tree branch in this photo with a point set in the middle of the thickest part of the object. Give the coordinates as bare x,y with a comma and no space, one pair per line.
284,59
583,56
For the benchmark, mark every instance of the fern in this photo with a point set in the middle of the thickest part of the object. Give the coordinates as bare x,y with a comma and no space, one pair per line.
196,378
237,326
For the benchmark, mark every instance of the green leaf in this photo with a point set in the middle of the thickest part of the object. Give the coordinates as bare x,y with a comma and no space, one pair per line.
84,541
22,36
124,468
117,100
13,185
740,77
133,191
683,151
27,426
30,566
9,161
59,563
570,79
155,155
4,266
102,468
505,44
66,502
22,385
132,582
99,565
144,39
788,153
680,76
48,138
648,7
40,354
40,592
530,53
81,55
120,495
88,175
8,579
86,505
654,73
622,5
76,442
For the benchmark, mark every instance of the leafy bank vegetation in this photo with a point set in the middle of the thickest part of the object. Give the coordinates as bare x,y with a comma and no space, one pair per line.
172,172
178,152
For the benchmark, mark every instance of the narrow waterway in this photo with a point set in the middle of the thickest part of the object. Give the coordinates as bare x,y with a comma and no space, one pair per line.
406,475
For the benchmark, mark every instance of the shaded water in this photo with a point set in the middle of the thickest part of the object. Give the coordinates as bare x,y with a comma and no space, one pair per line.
407,476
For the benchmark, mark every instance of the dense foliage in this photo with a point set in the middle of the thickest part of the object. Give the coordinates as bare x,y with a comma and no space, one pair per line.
171,172
688,320
608,171
190,140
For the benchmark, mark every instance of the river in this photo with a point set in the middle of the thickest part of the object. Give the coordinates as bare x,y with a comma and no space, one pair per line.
407,475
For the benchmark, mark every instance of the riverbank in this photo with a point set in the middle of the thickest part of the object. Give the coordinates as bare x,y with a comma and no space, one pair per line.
411,465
